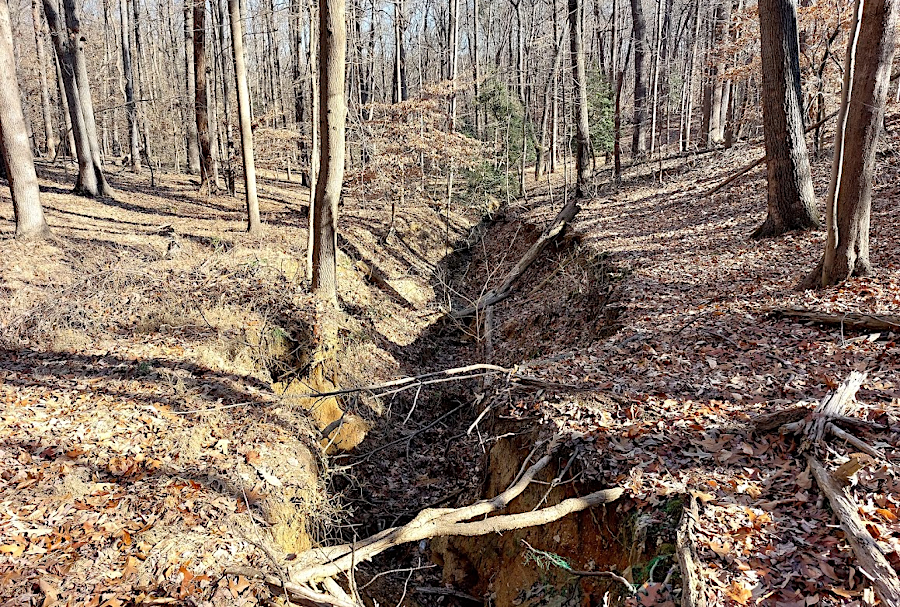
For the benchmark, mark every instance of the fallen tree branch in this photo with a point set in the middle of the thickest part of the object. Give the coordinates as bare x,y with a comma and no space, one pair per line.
693,592
868,554
439,522
498,294
858,443
749,167
854,320
302,595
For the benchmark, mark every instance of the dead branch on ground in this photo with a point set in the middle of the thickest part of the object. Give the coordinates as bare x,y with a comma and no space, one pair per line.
749,167
693,589
837,407
321,563
868,554
498,294
853,320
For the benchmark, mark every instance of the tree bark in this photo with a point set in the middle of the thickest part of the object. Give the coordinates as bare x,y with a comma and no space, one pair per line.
582,136
332,117
240,76
201,96
193,149
849,203
130,107
791,200
14,145
639,27
313,137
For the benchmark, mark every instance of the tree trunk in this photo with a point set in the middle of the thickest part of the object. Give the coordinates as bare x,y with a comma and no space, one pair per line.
193,149
400,91
791,201
332,117
582,136
240,76
50,139
90,180
130,107
14,145
453,45
639,139
849,204
313,136
77,42
540,163
201,96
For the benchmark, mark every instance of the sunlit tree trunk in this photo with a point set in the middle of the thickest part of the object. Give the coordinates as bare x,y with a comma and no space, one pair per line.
639,26
14,145
50,139
332,117
867,79
90,180
240,76
130,107
582,137
791,201
201,97
193,149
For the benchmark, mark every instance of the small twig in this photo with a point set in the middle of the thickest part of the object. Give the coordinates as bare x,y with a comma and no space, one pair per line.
413,408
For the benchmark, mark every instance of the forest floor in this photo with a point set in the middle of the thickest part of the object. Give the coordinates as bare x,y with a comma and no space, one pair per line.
148,441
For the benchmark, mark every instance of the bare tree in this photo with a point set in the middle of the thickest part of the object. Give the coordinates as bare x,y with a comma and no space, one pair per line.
638,139
582,137
130,107
791,201
193,149
50,139
867,75
14,145
201,96
240,76
332,118
67,42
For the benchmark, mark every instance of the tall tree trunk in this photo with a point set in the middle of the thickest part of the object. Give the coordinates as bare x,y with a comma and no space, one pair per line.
639,139
400,90
687,112
77,41
791,201
201,98
867,70
240,76
50,139
67,139
130,107
582,136
540,163
90,181
141,88
193,149
453,46
332,116
16,150
654,85
313,136
476,70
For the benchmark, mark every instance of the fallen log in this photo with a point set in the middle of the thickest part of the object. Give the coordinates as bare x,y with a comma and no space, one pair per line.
437,522
498,294
749,167
854,320
869,556
693,593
